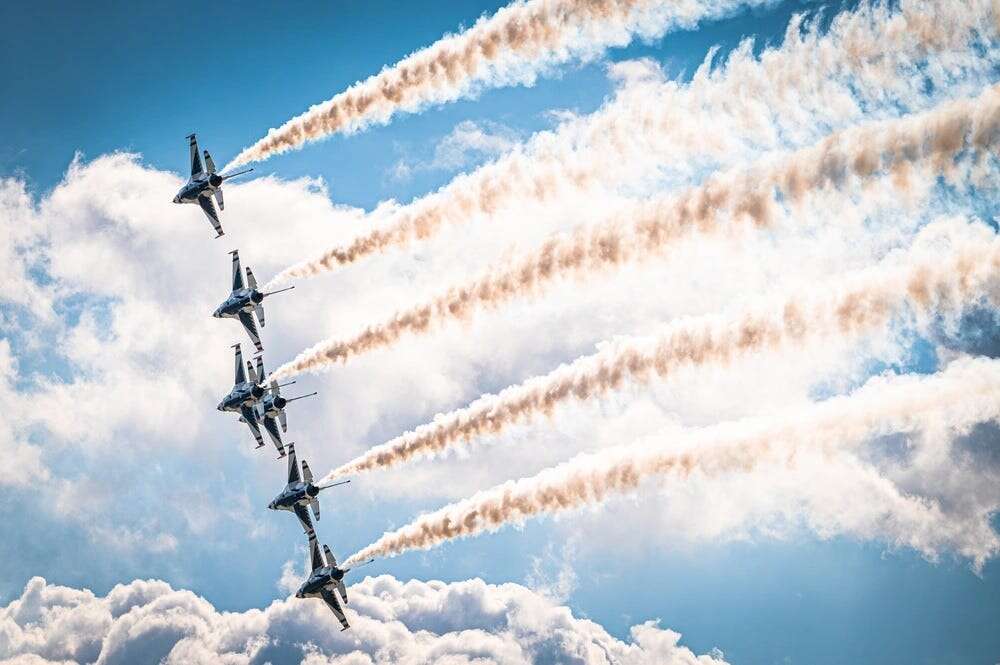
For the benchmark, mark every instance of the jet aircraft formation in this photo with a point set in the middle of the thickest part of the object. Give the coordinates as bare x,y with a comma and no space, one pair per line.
259,401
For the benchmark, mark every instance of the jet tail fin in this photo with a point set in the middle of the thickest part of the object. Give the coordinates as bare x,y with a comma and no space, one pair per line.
259,311
219,199
314,504
342,589
307,474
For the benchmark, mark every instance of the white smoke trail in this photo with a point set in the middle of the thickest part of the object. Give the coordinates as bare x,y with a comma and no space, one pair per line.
937,136
867,63
512,47
967,392
923,282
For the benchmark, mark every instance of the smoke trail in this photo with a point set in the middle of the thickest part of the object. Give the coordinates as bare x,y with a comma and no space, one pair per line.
744,195
924,283
966,393
865,60
514,46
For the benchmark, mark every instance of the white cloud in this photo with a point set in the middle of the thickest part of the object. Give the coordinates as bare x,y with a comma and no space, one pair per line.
469,142
392,622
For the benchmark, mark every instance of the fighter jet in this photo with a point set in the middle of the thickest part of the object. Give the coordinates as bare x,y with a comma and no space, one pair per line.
271,409
326,577
300,491
245,301
246,393
203,184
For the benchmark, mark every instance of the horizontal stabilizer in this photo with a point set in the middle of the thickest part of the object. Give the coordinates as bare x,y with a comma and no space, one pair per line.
209,164
330,559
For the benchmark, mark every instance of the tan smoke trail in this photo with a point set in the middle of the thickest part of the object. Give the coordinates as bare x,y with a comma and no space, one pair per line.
965,393
744,195
924,283
866,57
513,46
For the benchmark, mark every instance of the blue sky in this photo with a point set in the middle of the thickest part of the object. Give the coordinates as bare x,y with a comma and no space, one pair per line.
100,78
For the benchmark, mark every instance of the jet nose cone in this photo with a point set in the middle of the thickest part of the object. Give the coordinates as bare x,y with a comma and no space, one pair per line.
177,199
219,408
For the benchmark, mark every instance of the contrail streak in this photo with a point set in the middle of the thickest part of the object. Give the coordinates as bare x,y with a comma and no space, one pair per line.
924,282
965,393
743,195
867,60
512,47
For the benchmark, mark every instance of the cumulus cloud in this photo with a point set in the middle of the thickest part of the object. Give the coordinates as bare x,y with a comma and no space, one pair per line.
147,621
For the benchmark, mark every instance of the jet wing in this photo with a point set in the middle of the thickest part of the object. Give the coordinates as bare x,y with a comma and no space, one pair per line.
251,327
251,419
316,559
303,515
196,168
237,271
334,605
241,376
293,465
271,425
206,204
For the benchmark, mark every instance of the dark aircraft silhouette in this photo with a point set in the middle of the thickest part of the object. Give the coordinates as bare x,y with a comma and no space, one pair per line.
203,184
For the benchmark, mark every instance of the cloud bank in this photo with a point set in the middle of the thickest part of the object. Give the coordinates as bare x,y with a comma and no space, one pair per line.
147,621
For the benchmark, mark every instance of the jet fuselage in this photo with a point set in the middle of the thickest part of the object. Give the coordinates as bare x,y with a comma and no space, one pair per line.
244,394
195,188
319,580
272,405
298,493
240,300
